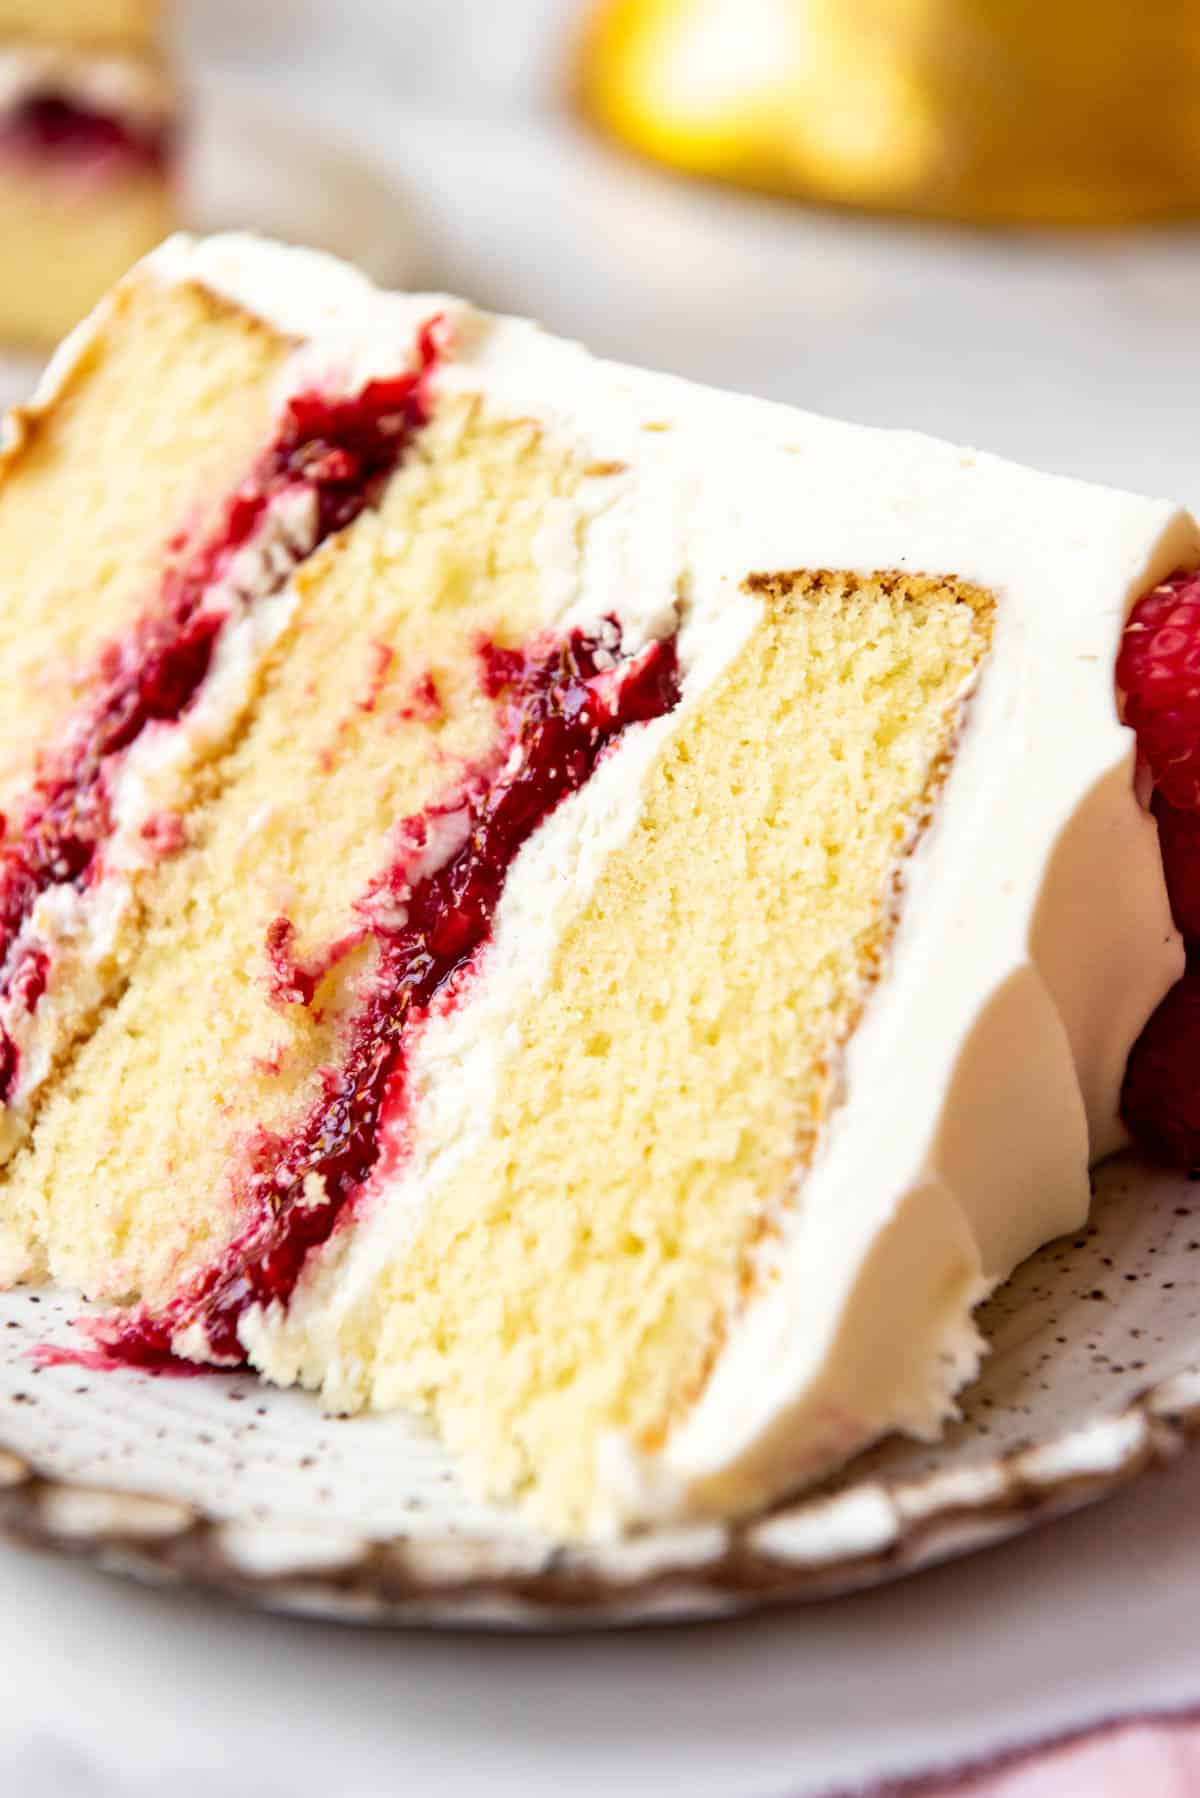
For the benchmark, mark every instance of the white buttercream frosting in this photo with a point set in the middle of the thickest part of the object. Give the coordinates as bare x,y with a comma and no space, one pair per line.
1034,938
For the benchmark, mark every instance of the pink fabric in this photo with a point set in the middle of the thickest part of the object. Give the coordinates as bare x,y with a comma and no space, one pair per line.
1145,1759
1141,1760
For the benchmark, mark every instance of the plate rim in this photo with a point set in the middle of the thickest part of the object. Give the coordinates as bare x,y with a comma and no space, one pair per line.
871,1533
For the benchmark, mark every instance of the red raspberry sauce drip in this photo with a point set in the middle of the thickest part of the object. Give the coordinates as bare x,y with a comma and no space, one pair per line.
382,657
561,710
339,450
54,128
291,983
1158,671
424,701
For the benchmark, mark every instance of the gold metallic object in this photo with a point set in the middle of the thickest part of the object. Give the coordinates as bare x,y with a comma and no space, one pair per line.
1080,112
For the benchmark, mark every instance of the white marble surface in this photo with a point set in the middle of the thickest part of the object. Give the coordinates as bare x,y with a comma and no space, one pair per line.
119,1693
1076,355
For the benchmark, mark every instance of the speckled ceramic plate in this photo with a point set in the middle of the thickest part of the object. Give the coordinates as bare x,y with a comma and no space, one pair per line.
1093,1377
250,169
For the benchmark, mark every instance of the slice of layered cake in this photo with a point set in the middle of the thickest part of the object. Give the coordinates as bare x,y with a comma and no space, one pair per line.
88,128
602,912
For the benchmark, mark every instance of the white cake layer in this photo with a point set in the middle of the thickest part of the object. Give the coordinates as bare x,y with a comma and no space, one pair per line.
1035,936
82,928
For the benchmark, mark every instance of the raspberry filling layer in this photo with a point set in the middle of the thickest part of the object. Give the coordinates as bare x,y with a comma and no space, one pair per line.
54,129
560,708
329,460
1158,671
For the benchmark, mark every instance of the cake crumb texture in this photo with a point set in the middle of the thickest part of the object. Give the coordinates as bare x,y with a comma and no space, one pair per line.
124,1189
155,423
575,1277
175,390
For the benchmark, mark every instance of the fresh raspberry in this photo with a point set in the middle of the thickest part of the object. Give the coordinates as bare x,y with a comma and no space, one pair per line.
1160,1097
1179,844
1158,670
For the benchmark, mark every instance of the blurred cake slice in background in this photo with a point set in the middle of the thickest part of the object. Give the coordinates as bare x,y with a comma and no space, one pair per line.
88,129
130,25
